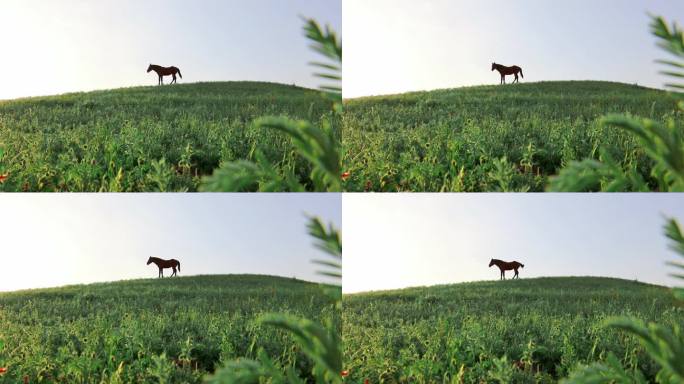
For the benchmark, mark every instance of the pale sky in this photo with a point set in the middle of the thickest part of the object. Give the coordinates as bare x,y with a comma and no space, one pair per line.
395,46
58,239
404,240
57,46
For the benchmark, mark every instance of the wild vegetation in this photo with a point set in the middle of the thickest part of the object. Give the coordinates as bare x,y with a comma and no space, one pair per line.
155,330
516,137
147,138
522,331
489,138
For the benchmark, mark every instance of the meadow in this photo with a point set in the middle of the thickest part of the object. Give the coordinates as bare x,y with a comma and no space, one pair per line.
514,331
153,330
494,138
150,138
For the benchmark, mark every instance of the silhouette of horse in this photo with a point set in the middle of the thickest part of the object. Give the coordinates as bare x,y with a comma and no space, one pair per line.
164,71
161,264
504,70
506,266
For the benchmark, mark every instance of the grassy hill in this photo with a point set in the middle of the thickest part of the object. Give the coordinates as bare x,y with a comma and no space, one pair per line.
489,138
114,140
543,327
117,332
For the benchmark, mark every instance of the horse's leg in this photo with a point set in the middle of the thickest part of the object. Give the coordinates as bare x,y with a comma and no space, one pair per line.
174,271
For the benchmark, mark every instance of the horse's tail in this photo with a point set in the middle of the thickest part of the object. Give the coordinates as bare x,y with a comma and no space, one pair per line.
181,76
521,75
178,262
521,264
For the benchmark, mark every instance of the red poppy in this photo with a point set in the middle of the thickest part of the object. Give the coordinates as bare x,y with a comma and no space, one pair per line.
345,176
367,381
3,178
3,370
345,373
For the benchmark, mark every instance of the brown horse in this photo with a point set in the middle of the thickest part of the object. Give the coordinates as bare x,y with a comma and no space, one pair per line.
504,70
161,264
506,266
164,71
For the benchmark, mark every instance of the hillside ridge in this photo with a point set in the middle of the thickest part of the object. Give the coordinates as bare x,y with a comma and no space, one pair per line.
165,88
167,280
579,280
508,87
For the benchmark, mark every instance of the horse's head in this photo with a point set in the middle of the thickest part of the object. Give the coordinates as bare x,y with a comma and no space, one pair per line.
148,71
150,259
493,68
491,262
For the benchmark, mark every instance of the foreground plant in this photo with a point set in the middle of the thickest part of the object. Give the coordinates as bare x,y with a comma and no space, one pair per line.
319,145
663,142
320,342
665,345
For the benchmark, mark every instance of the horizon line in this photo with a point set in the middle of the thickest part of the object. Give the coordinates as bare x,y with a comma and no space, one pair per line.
67,93
27,290
495,280
663,88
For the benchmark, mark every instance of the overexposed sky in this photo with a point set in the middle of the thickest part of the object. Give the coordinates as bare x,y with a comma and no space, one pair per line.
395,46
57,46
404,240
58,239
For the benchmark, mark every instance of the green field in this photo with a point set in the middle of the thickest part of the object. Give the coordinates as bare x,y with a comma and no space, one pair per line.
148,138
117,332
544,327
490,138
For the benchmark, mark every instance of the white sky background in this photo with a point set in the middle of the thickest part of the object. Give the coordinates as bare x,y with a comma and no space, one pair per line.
403,240
58,239
395,46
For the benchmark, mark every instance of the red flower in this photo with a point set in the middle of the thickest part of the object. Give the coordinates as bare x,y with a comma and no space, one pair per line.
2,370
367,381
345,373
3,178
345,176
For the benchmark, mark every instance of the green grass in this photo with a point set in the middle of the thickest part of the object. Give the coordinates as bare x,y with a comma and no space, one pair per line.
148,138
544,327
117,332
490,138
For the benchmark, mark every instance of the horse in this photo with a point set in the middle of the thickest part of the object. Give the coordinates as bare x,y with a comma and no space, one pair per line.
504,70
506,266
164,71
161,264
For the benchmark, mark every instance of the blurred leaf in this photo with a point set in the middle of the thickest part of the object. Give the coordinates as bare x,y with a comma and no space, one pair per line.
608,372
320,146
317,342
